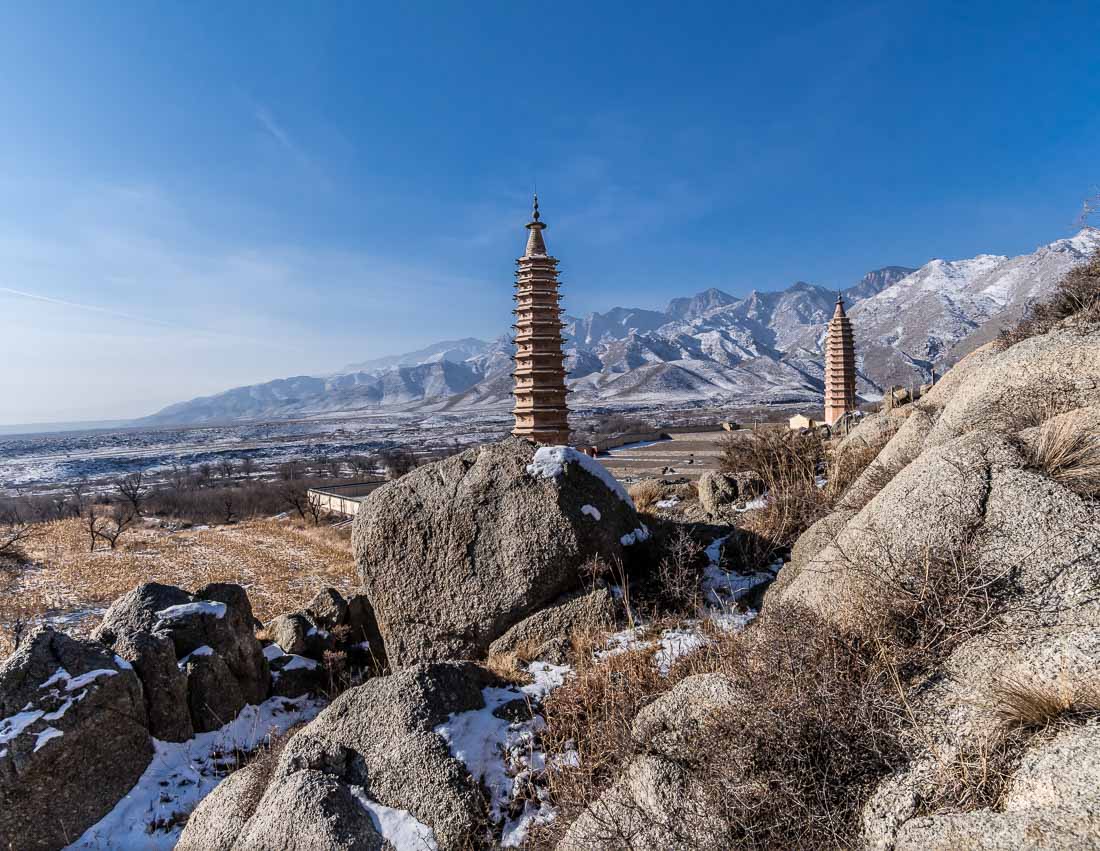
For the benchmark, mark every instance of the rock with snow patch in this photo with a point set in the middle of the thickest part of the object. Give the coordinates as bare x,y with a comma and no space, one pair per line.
164,685
293,675
378,740
309,810
540,634
220,818
73,738
136,610
289,631
454,553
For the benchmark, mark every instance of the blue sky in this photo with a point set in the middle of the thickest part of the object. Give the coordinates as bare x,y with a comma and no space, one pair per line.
200,195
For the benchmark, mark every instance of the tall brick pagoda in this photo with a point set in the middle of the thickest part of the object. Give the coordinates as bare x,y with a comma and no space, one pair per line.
539,376
840,366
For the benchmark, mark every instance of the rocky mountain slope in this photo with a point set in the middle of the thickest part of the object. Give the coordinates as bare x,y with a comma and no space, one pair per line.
763,348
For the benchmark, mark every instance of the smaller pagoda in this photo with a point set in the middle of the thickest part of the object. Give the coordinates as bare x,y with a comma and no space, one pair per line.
840,365
539,376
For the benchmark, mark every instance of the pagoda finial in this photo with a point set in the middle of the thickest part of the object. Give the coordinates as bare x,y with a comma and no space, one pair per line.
535,243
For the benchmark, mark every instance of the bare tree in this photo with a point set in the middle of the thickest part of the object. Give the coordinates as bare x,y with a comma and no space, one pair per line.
397,462
110,526
77,489
296,495
225,467
132,489
248,467
13,532
206,473
290,471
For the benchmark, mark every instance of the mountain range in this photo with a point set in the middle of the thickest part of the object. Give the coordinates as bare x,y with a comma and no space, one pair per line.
711,347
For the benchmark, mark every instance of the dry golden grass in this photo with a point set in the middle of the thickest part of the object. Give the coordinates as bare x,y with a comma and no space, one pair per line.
1068,451
280,564
1034,704
646,495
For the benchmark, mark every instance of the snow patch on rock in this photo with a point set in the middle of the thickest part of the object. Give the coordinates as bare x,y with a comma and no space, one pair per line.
550,463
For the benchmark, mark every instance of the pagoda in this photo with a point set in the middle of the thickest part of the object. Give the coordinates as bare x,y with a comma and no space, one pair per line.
539,377
840,366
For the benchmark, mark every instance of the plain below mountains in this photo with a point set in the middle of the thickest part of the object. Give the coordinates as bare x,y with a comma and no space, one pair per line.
711,347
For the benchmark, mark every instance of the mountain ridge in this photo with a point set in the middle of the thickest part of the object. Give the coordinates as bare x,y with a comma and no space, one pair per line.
762,348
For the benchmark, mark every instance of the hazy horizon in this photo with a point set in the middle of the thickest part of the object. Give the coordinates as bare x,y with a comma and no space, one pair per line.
204,197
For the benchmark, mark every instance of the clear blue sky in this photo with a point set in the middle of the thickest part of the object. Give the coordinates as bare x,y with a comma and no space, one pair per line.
204,194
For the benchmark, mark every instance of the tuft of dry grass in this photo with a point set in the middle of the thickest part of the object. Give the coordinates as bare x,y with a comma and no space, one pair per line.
1068,451
281,565
1077,294
1033,704
646,494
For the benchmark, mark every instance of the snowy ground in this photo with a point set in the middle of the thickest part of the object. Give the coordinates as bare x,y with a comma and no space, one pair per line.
153,813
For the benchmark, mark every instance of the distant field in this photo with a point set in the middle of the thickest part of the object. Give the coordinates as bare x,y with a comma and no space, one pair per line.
281,564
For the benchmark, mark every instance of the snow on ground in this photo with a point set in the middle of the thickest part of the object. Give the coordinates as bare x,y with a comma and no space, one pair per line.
200,607
504,755
636,537
153,813
550,462
672,502
398,827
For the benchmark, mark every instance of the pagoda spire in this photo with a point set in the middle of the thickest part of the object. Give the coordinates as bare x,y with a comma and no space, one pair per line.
539,376
840,365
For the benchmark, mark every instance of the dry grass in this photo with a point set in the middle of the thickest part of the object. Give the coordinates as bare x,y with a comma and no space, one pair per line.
281,565
788,767
1068,450
789,463
646,494
1031,704
1077,294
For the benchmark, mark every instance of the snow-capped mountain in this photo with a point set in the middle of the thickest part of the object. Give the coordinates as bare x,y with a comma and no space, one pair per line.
764,347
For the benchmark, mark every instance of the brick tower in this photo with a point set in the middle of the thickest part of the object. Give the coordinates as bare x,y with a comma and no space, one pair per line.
840,366
539,376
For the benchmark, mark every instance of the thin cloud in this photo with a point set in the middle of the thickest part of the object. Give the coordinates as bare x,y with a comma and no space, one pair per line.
128,317
277,132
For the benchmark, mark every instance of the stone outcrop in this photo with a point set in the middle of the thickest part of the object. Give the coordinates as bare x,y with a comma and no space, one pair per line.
965,491
73,738
544,635
376,741
455,553
196,654
718,492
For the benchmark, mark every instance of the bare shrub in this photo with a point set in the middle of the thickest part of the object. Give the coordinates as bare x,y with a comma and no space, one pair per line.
1068,451
679,570
109,525
132,488
14,532
789,463
1077,294
789,766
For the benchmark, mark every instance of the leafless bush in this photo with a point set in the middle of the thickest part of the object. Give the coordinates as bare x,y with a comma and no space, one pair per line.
397,462
1078,294
679,571
109,525
14,532
1068,451
788,766
132,488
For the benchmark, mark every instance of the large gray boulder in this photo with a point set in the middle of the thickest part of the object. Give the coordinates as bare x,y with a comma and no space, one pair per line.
164,684
377,741
221,817
73,738
454,553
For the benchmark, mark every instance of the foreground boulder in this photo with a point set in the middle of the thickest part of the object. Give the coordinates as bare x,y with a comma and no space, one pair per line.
73,738
196,654
376,743
454,553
